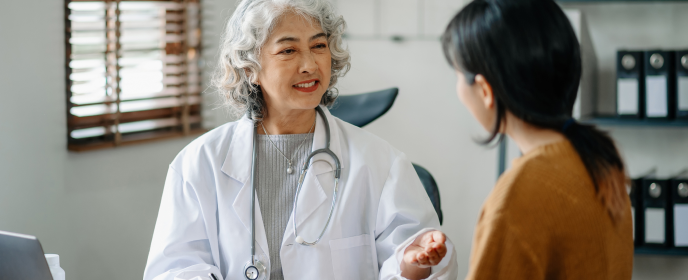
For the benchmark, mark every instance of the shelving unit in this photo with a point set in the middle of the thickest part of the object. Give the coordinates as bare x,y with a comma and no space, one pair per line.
644,123
605,1
676,252
614,121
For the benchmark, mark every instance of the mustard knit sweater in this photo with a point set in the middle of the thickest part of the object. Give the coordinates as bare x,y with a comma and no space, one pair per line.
543,220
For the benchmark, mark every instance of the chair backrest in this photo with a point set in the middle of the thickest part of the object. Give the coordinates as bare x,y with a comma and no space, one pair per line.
362,109
430,188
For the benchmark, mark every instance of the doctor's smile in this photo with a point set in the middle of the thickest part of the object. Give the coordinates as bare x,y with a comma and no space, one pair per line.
307,86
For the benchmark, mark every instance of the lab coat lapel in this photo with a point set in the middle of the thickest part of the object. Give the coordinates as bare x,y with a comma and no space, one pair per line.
312,194
238,165
239,156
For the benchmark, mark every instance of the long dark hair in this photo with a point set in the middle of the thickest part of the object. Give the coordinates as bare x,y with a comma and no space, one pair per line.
528,52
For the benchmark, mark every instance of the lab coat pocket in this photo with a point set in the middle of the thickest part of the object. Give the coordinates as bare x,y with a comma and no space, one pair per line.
352,258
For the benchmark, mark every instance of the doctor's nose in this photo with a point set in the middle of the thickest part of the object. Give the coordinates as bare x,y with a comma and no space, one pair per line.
308,64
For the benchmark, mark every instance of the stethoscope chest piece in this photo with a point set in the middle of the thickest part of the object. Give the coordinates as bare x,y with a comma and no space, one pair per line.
254,271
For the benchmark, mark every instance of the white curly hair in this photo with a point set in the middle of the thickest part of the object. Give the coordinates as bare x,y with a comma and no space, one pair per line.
246,32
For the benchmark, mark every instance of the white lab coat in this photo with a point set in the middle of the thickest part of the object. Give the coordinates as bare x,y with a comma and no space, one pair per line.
204,221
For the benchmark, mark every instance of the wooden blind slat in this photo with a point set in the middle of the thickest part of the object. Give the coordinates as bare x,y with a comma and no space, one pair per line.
134,139
106,120
96,99
134,126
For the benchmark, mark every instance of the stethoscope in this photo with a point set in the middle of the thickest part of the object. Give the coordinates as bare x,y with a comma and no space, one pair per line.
255,268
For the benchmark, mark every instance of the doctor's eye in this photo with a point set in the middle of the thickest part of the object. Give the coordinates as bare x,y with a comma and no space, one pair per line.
288,51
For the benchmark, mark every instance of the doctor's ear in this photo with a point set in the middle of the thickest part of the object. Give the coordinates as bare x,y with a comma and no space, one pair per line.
248,73
485,91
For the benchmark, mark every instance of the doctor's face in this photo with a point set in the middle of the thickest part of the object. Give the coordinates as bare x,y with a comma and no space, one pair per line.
296,64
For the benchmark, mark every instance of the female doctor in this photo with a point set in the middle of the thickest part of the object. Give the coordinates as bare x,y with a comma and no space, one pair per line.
290,191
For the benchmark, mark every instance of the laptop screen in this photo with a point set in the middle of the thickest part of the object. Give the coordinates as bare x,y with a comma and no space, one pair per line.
22,258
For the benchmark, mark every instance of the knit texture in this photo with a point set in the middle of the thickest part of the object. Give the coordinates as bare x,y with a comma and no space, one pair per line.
543,220
275,188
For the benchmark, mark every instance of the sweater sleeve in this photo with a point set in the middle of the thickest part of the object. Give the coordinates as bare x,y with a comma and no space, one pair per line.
500,252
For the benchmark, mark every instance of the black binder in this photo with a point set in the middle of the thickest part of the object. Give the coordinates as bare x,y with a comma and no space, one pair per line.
659,97
630,84
637,216
681,80
655,202
679,211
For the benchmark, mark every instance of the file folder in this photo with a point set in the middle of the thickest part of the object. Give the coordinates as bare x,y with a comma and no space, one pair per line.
679,207
630,84
658,84
655,195
637,206
681,79
637,219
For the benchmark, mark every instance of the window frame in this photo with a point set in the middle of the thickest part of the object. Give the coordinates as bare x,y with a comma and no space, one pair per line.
180,120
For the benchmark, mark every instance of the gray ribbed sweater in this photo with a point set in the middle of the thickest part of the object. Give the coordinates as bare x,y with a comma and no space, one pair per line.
275,188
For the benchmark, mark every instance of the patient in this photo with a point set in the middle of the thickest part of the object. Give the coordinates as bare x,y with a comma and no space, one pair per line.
561,211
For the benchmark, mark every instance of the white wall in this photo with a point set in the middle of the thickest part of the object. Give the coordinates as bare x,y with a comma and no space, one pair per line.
98,209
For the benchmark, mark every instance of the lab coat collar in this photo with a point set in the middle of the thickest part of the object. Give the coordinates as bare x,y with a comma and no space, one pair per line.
239,159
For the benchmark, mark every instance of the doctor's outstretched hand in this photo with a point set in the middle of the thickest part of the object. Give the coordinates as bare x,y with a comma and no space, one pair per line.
426,251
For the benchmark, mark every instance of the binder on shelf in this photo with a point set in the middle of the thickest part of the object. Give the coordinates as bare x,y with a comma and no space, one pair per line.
659,97
630,84
681,80
635,190
637,207
655,202
679,209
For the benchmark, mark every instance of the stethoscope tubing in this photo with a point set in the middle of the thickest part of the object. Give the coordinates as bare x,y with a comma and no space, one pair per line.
296,198
337,174
253,195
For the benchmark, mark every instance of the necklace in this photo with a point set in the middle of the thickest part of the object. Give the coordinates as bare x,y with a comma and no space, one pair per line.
290,170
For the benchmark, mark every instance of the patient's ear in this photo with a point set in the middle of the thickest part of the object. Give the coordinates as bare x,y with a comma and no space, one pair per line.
485,91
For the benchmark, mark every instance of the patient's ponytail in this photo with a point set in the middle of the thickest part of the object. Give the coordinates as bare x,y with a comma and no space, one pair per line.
602,160
528,52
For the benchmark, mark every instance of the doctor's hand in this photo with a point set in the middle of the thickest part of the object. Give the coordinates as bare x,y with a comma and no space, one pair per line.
426,251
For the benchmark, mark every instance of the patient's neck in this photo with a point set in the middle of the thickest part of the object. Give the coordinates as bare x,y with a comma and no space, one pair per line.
528,136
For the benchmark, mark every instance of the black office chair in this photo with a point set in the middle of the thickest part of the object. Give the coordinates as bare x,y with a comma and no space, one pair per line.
362,109
430,188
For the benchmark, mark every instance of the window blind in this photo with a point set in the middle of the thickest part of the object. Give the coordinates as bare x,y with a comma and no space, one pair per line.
133,71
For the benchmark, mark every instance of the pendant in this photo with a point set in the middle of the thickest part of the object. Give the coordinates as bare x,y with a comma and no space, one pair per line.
289,169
